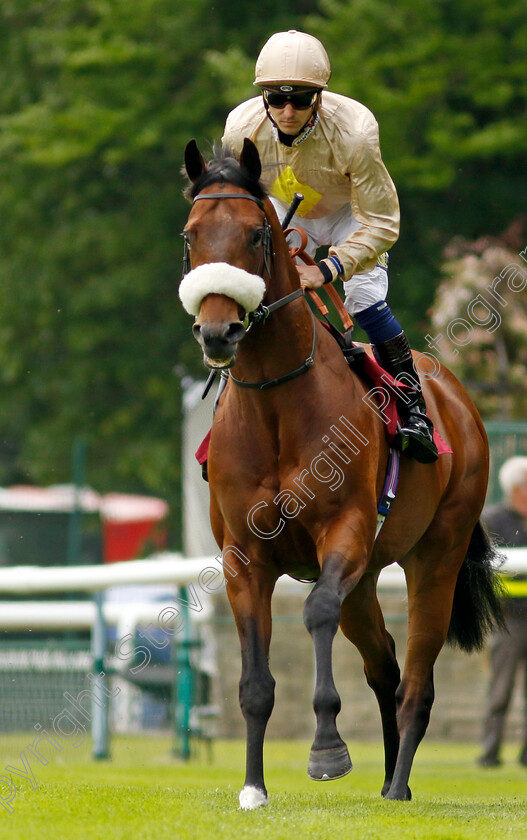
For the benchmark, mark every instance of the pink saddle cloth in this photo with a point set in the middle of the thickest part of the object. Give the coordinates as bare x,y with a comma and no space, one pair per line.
202,452
390,386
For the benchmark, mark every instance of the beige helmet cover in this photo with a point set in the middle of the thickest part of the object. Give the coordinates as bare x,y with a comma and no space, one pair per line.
294,57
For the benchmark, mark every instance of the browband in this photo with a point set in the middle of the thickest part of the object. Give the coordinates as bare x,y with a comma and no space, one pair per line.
232,195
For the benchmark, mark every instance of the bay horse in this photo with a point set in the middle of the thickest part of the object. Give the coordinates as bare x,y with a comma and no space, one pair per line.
288,499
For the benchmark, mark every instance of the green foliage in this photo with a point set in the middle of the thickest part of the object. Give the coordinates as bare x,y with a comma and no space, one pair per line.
233,73
101,99
447,79
98,99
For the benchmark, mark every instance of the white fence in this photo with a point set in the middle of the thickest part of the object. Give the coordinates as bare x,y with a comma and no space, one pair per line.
167,568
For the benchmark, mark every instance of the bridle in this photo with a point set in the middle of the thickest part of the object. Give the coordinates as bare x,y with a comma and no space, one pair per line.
262,312
267,245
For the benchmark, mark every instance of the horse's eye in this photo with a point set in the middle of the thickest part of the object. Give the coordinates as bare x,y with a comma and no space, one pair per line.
256,237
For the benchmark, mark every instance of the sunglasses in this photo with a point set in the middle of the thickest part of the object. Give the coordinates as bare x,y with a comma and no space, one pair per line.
300,101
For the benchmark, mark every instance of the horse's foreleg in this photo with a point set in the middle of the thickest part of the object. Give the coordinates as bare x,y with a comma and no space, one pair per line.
362,623
250,599
329,757
429,609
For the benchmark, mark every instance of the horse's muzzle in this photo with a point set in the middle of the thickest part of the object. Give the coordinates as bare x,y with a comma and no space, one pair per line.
219,342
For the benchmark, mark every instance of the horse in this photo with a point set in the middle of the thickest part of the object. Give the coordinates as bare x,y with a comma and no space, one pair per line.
294,493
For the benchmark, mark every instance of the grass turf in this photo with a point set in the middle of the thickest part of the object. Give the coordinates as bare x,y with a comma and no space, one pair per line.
143,793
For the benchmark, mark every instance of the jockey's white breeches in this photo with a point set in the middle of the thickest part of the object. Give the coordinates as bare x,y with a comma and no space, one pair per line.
361,290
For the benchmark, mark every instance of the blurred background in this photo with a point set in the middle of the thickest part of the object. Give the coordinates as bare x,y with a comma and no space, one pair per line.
98,98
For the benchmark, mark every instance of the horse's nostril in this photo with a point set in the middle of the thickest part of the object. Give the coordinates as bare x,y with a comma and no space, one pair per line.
196,330
235,332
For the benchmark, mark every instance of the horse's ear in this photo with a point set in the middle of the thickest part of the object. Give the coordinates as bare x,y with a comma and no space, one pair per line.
195,163
250,159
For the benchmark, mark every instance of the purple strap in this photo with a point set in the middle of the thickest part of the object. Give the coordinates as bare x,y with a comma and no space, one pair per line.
390,483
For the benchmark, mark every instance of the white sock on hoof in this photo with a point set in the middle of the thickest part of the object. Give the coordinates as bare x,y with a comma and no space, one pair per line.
251,798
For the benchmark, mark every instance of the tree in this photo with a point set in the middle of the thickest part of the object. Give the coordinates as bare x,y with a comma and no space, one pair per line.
90,153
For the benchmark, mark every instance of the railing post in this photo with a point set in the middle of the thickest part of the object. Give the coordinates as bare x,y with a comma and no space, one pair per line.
100,729
184,687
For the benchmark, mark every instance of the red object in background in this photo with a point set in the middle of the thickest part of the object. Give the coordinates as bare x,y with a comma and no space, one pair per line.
131,525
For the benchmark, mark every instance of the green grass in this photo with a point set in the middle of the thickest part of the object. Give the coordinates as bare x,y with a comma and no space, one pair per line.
144,793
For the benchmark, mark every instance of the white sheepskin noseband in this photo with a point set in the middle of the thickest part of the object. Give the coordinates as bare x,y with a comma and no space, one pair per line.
221,279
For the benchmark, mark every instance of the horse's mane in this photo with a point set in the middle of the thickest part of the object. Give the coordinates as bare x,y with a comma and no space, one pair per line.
225,169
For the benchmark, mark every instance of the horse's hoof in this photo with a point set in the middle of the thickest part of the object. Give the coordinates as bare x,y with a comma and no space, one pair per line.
325,765
252,797
405,796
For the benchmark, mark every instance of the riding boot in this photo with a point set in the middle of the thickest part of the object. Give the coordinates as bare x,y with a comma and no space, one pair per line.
416,436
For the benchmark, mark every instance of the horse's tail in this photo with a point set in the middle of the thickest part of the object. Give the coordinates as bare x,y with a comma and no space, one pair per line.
477,597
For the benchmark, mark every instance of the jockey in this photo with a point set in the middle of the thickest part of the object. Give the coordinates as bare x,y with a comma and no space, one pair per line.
326,146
